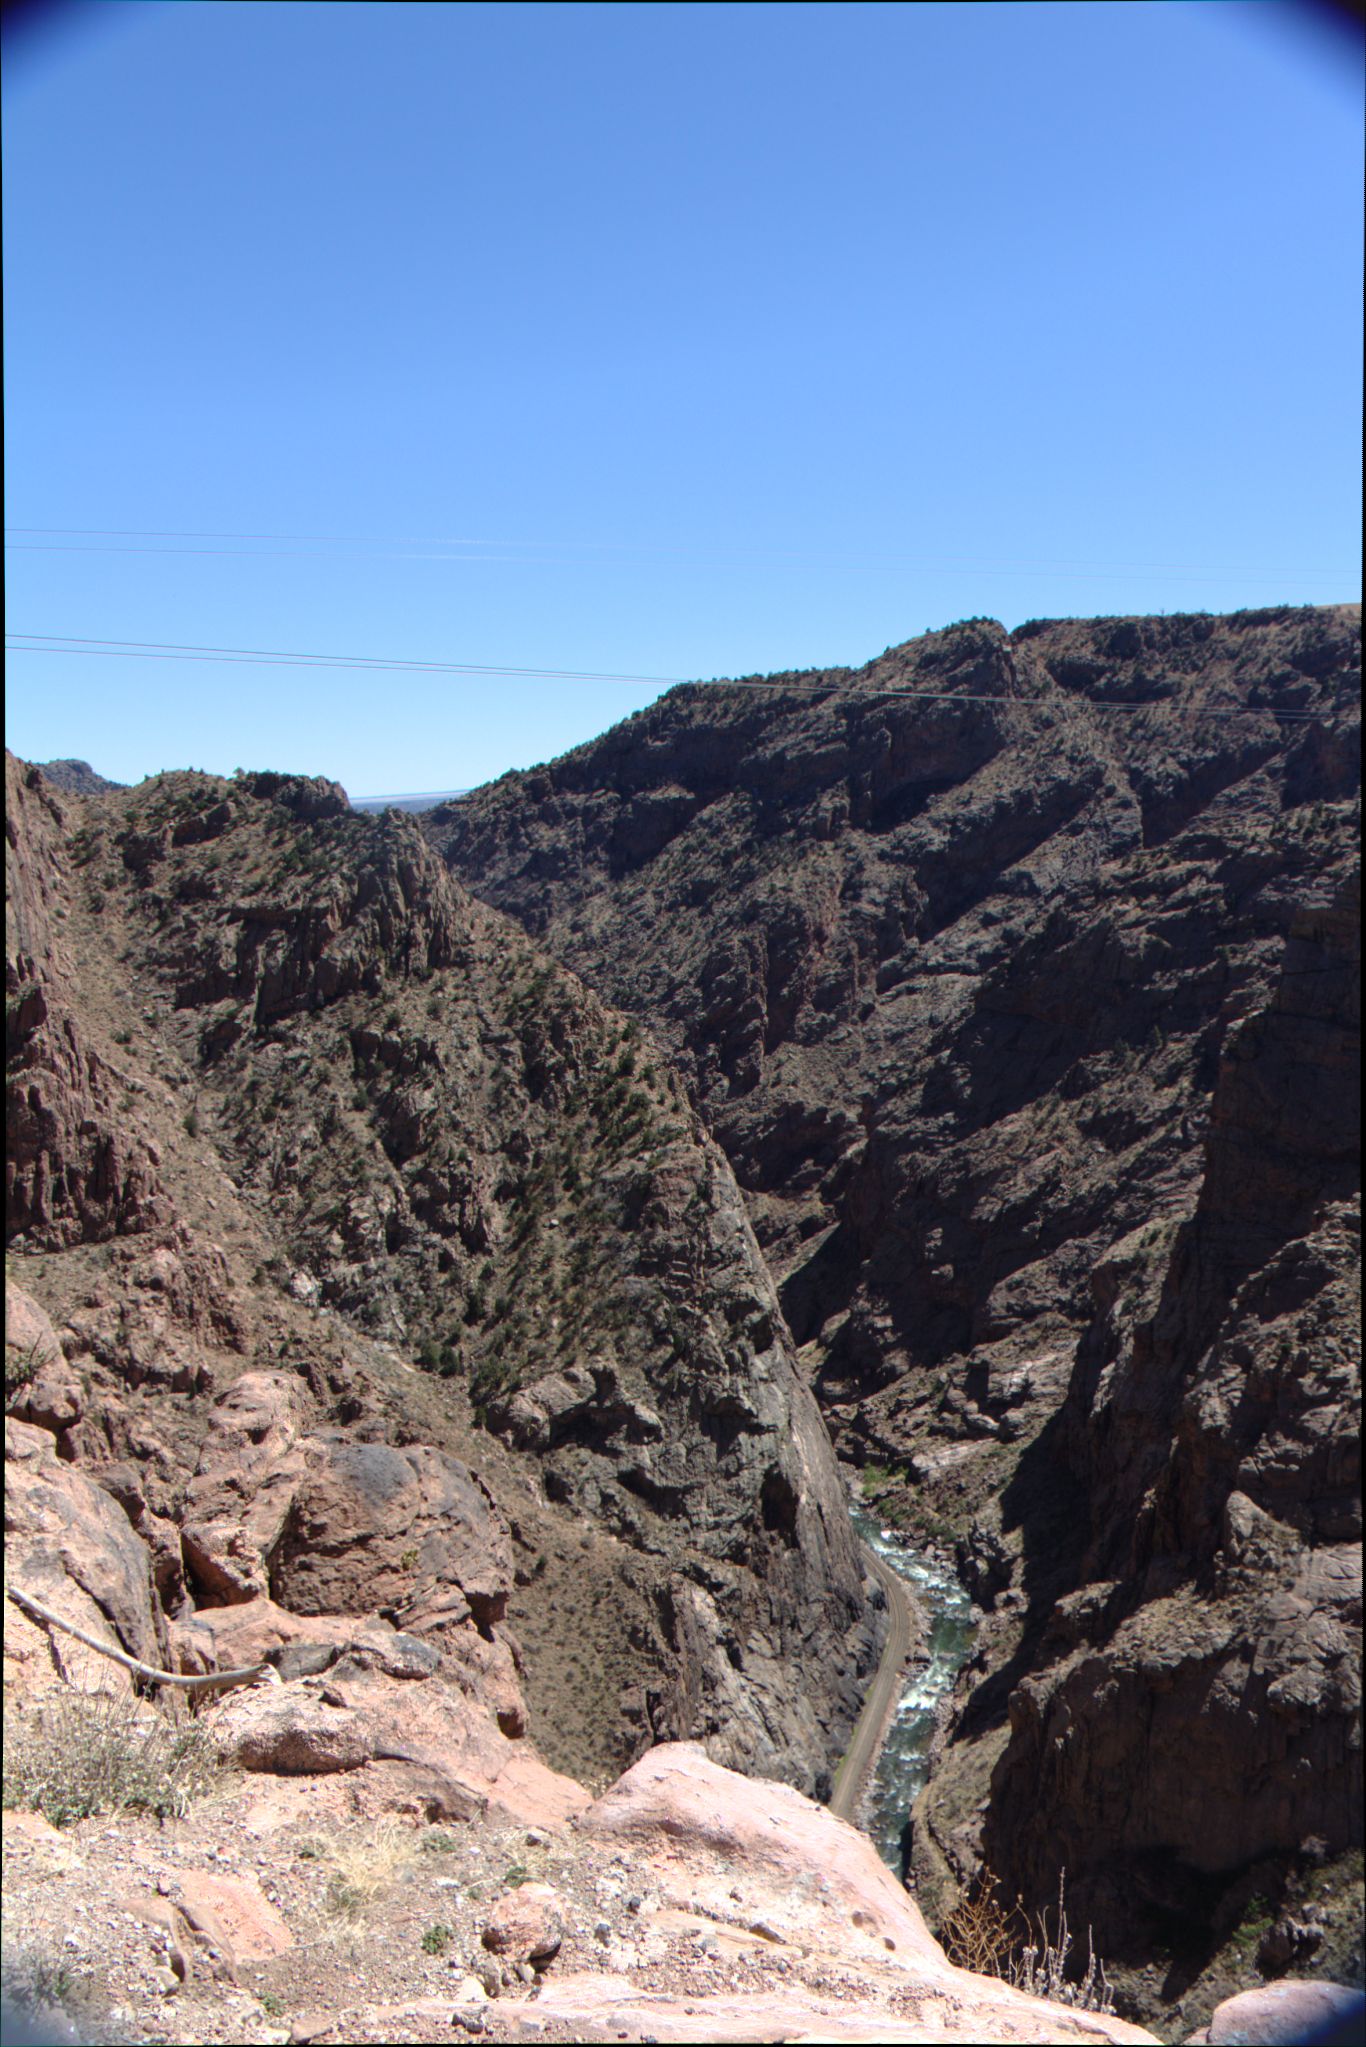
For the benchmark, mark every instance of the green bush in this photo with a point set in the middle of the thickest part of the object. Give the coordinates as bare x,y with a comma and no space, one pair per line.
21,1369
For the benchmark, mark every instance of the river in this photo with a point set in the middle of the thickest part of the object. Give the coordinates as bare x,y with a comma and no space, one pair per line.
903,1765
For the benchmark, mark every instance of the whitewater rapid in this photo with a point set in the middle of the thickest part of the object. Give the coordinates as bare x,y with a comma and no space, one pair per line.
903,1764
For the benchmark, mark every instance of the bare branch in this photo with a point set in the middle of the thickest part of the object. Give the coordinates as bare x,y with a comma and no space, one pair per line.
212,1681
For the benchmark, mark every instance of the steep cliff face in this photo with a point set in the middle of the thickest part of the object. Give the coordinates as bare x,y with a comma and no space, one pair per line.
378,1102
73,1169
1212,1424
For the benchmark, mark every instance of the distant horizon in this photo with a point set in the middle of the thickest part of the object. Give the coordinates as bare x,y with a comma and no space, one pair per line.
419,799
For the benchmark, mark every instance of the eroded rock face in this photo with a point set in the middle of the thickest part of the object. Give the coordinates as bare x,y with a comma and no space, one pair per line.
324,1524
1213,1420
949,971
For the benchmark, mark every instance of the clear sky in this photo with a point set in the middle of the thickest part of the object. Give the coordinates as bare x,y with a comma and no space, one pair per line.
665,341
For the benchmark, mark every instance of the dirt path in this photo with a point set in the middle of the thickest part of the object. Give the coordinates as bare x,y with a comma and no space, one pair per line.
870,1729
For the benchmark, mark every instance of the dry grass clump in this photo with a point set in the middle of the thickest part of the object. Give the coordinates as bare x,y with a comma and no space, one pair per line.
78,1753
361,1867
983,1935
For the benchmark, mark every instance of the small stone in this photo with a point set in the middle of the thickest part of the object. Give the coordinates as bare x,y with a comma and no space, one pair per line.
166,1981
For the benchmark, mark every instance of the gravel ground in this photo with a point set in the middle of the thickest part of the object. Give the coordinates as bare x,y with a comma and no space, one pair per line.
384,1923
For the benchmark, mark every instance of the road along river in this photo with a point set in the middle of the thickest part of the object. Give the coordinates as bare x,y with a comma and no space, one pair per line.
891,1739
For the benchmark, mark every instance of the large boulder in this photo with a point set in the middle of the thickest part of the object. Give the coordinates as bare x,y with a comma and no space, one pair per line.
327,1525
761,1858
1286,2014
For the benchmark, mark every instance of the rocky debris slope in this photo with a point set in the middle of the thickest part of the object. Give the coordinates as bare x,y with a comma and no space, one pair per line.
384,1128
688,1903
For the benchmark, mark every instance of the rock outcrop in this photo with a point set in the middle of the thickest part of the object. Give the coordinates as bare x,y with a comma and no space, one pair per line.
76,778
69,1545
761,1864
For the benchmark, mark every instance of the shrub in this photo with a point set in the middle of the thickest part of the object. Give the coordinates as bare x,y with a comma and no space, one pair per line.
83,1752
21,1369
979,1934
436,1939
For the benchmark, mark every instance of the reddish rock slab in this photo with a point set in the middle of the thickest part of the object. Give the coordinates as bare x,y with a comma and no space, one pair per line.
1285,2015
820,1867
758,1856
610,2007
233,1914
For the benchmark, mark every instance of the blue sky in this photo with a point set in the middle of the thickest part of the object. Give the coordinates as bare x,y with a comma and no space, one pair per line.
658,341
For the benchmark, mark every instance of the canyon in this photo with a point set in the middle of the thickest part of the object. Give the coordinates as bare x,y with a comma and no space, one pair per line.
456,1260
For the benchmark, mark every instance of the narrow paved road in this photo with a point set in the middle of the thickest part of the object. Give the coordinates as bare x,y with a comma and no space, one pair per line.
871,1726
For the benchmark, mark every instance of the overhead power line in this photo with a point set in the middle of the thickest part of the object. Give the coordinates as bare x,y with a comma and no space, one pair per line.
164,650
170,650
80,539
